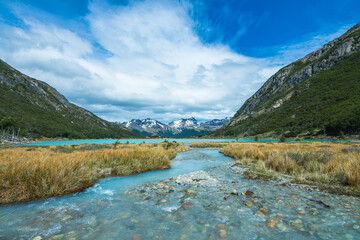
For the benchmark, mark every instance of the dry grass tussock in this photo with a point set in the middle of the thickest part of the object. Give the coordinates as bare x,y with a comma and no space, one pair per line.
208,144
334,166
39,172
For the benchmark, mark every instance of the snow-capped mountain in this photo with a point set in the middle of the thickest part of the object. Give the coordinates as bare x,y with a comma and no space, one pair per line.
144,124
184,123
185,127
215,124
146,127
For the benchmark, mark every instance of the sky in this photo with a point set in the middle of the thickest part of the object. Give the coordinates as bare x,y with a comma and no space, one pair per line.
164,59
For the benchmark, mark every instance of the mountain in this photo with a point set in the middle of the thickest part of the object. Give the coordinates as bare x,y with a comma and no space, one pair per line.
318,94
32,107
186,127
184,123
148,127
215,124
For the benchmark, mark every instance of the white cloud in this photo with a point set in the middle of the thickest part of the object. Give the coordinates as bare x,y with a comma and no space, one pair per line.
157,66
295,51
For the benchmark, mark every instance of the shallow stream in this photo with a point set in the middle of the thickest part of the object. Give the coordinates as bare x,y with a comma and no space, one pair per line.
197,205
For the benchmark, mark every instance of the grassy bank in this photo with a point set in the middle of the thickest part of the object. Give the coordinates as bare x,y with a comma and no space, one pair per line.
332,166
29,173
208,144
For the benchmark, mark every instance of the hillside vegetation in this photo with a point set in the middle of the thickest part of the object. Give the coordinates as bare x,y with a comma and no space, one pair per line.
30,107
317,95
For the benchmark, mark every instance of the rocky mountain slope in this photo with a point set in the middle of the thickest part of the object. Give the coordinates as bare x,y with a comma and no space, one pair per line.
33,108
187,127
318,94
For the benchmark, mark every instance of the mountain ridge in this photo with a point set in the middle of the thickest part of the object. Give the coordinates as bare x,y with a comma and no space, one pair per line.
184,127
34,108
295,84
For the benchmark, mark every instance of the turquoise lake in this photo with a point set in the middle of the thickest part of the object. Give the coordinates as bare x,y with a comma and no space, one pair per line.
146,140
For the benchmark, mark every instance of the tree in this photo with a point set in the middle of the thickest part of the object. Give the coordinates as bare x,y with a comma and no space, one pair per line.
341,134
283,138
7,122
256,138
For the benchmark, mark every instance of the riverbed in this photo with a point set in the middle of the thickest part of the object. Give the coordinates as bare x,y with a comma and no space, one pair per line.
202,196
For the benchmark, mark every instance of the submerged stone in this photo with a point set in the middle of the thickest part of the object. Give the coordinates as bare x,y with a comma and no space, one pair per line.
260,214
271,223
222,233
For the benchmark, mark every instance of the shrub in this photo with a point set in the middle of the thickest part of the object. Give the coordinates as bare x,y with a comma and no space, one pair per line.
283,138
341,134
116,144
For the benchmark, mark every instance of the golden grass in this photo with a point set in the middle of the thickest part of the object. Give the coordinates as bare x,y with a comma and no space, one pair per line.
331,165
208,144
35,173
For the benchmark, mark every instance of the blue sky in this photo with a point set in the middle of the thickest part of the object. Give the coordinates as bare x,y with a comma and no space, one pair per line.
164,59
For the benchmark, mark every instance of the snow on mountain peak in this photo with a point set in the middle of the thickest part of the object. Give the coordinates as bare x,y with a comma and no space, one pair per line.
184,123
182,126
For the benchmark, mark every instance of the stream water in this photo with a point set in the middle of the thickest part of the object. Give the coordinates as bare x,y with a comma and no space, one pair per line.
149,206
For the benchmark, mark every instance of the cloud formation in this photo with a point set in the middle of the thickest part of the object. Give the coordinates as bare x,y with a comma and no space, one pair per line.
140,60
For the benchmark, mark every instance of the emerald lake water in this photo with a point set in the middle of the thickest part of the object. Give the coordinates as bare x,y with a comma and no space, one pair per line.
146,140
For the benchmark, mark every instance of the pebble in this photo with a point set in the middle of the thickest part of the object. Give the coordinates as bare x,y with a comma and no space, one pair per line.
248,193
271,223
133,220
298,225
37,238
298,221
126,215
221,225
66,218
234,192
264,210
184,236
223,233
57,237
137,237
260,214
281,227
249,204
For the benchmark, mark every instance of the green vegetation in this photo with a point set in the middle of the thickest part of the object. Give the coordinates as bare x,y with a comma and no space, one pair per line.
283,138
35,109
326,104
